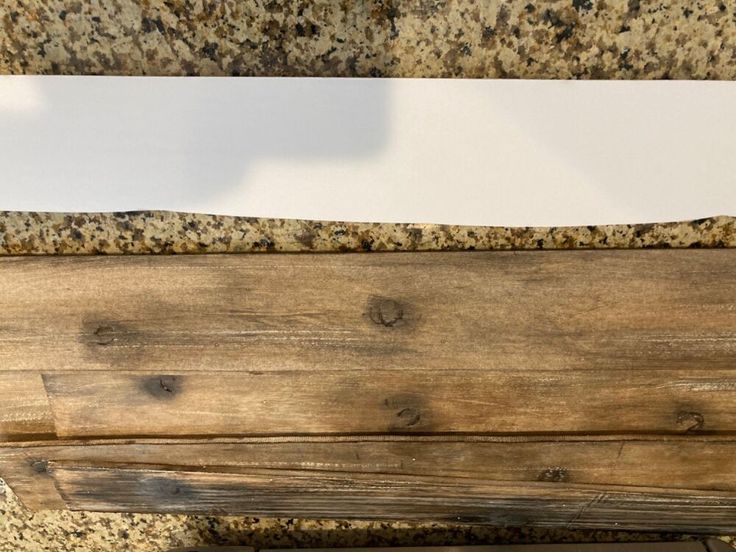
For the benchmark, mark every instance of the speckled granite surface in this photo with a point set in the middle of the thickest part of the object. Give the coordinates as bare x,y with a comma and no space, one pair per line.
418,38
167,232
170,232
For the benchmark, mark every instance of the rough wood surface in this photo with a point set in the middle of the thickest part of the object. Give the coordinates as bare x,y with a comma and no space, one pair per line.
588,388
687,462
489,342
510,311
24,407
316,495
104,404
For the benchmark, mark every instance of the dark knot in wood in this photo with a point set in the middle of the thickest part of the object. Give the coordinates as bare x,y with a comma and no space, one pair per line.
385,312
162,387
39,466
690,421
409,416
104,335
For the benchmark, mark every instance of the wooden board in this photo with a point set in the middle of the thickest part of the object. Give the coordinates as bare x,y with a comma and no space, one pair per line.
509,311
685,462
124,404
705,545
583,388
485,342
25,412
318,495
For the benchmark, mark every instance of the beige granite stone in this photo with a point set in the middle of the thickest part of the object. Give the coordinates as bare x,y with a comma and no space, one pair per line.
419,38
170,232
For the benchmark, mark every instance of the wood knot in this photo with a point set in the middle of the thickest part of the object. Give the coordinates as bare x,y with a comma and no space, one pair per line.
409,416
555,474
407,411
162,387
385,312
690,421
104,335
39,466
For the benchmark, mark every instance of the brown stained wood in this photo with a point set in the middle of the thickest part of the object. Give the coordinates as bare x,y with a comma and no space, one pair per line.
320,495
712,544
509,311
582,388
27,476
24,407
708,545
106,404
701,463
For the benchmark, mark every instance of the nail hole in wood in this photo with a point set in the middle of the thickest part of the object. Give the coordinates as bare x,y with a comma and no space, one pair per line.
162,387
555,474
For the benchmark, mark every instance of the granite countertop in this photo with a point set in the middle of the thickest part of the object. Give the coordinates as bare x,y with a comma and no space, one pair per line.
167,232
391,38
170,232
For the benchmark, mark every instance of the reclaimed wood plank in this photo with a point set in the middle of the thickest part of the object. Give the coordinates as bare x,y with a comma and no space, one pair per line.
708,545
25,412
510,311
127,404
320,495
685,462
537,348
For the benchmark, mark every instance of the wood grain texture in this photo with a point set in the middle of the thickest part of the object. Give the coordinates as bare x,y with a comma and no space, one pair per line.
317,495
125,404
700,463
705,545
582,388
24,407
485,342
509,311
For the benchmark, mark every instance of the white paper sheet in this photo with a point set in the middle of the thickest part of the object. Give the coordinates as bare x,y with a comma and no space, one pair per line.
446,151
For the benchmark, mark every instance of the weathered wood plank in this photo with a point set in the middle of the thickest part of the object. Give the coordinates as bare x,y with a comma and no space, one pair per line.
127,404
491,386
692,462
24,407
320,495
511,311
708,545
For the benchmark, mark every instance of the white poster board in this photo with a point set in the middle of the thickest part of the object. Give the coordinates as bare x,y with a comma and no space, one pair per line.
482,152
